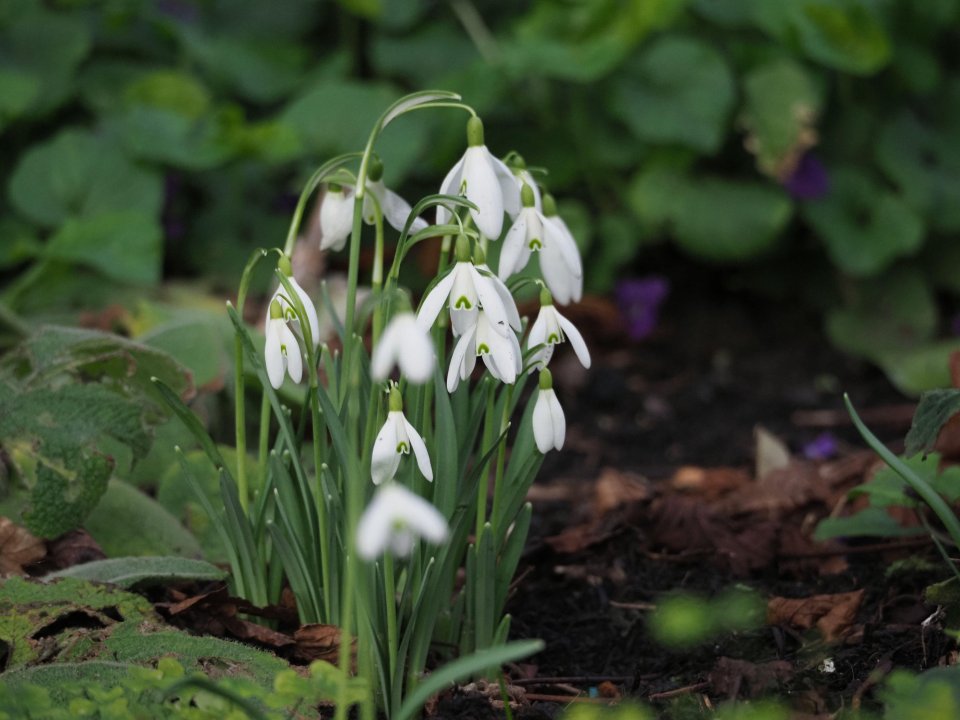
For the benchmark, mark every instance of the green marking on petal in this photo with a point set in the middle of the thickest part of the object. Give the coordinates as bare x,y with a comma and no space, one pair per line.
535,244
402,448
463,187
463,303
483,349
553,339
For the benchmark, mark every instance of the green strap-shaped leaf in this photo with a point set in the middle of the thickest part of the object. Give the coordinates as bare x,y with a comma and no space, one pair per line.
129,571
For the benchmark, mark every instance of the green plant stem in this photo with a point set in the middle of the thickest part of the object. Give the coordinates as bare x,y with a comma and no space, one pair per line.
376,279
322,515
239,386
483,483
353,270
264,446
495,519
922,488
390,599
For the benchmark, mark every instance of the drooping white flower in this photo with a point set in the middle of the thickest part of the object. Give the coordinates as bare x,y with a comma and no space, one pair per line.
407,344
501,354
550,329
287,306
549,423
518,167
485,181
393,521
395,439
336,217
560,260
281,352
466,289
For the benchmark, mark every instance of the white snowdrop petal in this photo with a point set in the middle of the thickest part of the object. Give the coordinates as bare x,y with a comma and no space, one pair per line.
293,356
419,450
386,351
509,187
450,186
542,423
396,210
509,304
483,190
374,528
417,358
336,219
556,275
490,302
456,360
419,515
512,249
576,340
310,310
273,355
559,420
435,300
463,320
385,458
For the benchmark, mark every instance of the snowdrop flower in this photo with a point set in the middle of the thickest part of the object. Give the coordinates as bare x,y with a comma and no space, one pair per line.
523,237
466,289
336,217
396,438
288,310
407,344
501,354
395,209
518,167
281,353
560,260
552,328
393,521
485,181
549,424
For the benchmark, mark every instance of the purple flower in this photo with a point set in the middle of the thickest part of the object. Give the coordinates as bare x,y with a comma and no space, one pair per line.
809,180
822,447
639,300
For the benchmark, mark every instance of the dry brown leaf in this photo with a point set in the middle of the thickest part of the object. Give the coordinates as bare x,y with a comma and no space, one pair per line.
318,642
685,524
832,615
615,489
18,548
710,482
73,548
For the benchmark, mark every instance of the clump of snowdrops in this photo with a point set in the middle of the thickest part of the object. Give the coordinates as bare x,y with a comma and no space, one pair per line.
394,507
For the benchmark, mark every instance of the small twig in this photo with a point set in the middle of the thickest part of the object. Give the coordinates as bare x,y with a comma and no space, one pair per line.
633,605
570,699
573,679
679,691
901,414
859,549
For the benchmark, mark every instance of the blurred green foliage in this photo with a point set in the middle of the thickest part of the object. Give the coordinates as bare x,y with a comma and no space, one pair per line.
683,621
808,144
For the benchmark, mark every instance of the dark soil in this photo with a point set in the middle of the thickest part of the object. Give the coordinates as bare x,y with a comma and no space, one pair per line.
718,365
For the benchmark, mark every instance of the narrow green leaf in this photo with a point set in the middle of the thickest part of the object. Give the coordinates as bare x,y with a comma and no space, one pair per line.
129,571
463,668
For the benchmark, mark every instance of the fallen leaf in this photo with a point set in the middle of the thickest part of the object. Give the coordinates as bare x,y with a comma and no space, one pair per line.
319,642
832,615
739,678
711,482
18,548
686,524
73,548
615,489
